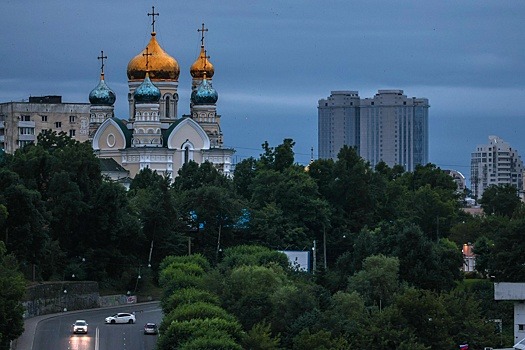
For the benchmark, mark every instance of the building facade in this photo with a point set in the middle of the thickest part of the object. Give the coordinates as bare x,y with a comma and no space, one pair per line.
495,163
21,122
389,127
338,123
154,136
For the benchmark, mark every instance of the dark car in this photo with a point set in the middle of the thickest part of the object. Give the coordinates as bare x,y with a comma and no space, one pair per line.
151,328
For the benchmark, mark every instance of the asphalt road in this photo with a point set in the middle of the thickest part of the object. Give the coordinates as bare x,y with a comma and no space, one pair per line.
55,333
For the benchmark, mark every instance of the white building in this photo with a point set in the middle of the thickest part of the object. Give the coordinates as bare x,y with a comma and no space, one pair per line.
153,135
495,163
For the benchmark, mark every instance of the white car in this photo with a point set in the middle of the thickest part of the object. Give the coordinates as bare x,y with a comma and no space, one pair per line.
80,326
121,317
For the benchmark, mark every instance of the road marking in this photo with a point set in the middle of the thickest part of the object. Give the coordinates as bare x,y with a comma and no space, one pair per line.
97,339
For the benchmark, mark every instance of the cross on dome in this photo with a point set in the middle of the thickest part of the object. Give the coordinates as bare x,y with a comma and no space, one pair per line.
153,14
202,33
147,54
102,58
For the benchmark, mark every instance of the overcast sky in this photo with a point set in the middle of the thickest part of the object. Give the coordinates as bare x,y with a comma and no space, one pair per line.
274,59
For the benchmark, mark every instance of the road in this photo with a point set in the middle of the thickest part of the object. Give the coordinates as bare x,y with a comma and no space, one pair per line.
55,333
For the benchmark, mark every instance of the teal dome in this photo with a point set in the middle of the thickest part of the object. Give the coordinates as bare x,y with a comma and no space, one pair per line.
205,94
147,92
102,95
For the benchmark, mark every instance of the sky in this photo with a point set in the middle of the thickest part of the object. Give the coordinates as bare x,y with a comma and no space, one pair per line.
274,59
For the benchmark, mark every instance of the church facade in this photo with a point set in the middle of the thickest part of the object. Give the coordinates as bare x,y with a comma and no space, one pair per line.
154,136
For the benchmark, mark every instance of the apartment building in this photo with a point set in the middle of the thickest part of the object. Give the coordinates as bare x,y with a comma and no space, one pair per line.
21,122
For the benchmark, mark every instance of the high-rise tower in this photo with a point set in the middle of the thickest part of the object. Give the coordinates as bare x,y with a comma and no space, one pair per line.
388,127
495,163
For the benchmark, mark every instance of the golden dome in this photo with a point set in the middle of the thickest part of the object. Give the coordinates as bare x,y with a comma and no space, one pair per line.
161,65
202,66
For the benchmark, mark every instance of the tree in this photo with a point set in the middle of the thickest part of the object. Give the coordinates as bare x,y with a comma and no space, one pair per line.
243,177
260,338
320,340
251,304
216,210
12,289
500,200
27,225
378,281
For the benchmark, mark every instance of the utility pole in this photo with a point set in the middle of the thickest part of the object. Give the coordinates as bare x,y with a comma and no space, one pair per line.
324,246
314,251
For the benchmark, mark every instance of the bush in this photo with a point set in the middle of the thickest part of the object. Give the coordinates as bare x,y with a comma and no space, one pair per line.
179,332
188,296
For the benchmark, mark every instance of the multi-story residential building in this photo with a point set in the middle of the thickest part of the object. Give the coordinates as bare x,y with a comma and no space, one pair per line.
389,127
338,123
459,179
21,122
495,163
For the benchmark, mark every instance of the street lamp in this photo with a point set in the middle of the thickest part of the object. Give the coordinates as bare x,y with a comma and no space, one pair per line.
138,278
65,300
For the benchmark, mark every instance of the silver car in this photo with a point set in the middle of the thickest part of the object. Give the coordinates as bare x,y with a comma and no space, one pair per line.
121,317
151,328
80,326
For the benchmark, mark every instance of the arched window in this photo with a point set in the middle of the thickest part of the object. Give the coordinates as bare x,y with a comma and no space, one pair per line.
186,154
167,106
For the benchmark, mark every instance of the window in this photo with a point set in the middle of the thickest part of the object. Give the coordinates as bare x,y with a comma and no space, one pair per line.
71,118
25,118
26,131
72,133
58,124
44,118
186,154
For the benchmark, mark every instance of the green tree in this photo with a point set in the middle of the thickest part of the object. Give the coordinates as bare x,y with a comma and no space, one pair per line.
216,210
500,200
320,340
260,338
377,281
27,225
182,333
251,304
12,289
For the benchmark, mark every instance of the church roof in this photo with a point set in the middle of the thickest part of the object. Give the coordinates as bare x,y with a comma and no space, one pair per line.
166,132
161,66
127,133
111,165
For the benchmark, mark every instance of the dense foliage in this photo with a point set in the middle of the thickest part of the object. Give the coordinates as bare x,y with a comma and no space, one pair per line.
385,240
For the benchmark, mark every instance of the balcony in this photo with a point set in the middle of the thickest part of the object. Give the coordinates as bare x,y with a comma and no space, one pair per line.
2,124
26,137
22,124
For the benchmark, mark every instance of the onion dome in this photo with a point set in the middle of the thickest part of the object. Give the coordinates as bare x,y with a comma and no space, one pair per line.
202,66
147,92
161,65
102,95
205,93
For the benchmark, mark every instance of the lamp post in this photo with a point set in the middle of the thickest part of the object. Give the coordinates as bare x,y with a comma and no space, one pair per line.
65,300
137,282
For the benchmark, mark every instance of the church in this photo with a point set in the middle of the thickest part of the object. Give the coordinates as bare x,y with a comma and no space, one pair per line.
154,136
